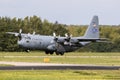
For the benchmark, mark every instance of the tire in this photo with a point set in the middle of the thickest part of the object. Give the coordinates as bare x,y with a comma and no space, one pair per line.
57,53
51,53
61,53
46,52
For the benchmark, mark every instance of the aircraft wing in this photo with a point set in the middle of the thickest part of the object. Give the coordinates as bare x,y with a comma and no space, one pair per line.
16,34
80,39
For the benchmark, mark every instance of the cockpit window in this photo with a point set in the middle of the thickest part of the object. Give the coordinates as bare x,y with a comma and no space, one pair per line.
27,38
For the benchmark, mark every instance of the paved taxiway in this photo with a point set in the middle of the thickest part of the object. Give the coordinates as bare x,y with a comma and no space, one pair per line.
53,66
62,56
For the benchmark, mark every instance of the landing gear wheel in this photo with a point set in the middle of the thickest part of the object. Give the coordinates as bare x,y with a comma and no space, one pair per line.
61,53
51,53
46,52
57,53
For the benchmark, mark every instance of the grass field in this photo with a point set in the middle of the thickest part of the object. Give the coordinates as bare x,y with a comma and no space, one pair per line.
74,58
39,53
60,75
69,58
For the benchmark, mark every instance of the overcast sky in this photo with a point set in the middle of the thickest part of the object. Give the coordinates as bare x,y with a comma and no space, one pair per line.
64,11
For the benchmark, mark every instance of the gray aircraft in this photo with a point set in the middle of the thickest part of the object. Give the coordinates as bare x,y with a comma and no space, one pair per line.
59,45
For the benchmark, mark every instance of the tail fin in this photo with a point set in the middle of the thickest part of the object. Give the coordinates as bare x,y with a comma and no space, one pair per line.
93,29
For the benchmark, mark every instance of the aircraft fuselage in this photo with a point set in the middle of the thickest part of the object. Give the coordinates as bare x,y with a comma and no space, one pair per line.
45,43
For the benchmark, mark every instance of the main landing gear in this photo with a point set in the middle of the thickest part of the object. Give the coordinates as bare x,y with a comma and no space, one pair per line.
61,53
51,53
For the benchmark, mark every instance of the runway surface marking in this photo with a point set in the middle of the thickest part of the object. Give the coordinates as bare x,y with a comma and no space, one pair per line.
40,64
53,66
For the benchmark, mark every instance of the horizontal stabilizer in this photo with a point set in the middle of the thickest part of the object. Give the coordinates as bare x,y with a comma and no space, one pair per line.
93,40
104,41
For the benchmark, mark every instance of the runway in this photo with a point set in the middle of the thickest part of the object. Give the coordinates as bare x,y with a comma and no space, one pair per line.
60,68
53,66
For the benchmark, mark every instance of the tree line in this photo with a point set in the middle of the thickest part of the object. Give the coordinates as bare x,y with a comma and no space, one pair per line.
44,27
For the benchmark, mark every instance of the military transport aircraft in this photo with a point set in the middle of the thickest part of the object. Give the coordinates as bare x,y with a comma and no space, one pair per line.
59,45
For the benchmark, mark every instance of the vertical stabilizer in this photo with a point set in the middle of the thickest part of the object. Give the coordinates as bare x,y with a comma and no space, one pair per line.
92,31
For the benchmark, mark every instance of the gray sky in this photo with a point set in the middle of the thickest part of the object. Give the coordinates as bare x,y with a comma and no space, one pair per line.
64,11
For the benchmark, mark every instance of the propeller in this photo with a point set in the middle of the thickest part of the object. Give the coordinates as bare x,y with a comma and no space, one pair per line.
68,39
19,35
55,37
20,31
66,35
33,32
54,34
28,34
